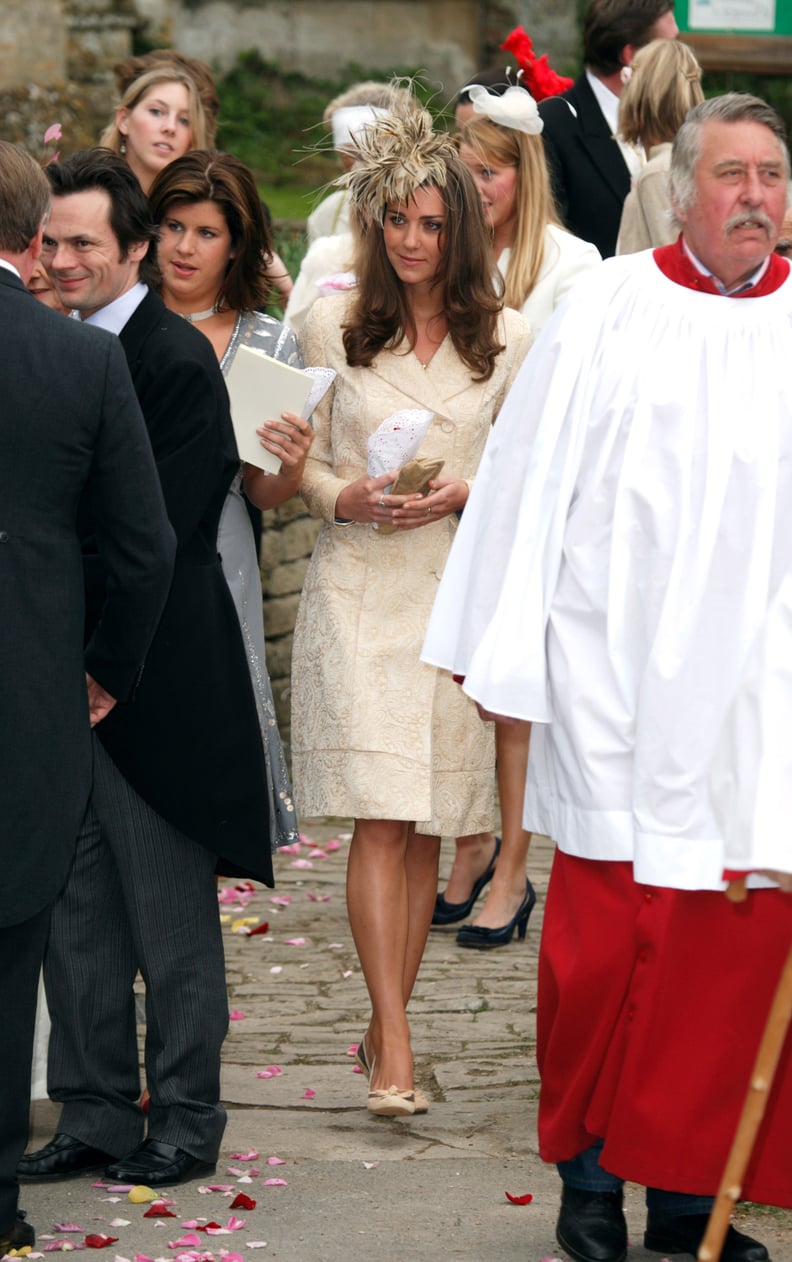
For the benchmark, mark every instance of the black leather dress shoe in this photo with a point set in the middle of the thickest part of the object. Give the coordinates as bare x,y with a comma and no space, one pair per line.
157,1165
62,1158
591,1226
684,1235
19,1236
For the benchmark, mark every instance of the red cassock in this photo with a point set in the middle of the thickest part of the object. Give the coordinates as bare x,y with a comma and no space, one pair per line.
652,1003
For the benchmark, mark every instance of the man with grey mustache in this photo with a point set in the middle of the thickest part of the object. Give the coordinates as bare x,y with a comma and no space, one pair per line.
630,525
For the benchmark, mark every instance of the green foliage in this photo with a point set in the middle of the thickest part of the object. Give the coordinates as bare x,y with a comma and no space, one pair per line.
272,120
776,90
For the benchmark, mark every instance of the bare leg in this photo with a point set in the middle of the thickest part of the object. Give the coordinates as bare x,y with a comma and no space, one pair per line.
391,882
507,889
473,854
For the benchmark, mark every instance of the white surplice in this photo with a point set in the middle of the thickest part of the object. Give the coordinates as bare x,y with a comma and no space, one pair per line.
629,525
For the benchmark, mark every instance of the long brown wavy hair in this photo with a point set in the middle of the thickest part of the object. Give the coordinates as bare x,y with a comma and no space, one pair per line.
381,318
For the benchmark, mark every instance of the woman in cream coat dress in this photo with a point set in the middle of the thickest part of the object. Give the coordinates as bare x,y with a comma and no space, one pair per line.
539,263
377,735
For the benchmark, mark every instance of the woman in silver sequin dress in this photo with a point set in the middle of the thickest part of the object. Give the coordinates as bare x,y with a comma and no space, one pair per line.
213,244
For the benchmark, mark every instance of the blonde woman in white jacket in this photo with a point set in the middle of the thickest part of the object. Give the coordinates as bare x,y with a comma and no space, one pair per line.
539,263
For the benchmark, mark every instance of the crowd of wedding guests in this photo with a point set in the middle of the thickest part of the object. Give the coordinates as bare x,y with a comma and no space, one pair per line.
432,270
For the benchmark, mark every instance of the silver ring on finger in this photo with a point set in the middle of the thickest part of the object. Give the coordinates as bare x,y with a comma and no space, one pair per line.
382,501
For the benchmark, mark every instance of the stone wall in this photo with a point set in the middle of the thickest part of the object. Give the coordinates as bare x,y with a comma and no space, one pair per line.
287,541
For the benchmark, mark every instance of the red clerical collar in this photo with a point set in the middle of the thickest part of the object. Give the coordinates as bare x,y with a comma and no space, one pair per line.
675,263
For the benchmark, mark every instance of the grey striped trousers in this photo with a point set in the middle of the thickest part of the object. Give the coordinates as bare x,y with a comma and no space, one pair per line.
140,896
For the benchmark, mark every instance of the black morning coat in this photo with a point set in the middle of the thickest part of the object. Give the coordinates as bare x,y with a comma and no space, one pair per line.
70,429
589,175
191,744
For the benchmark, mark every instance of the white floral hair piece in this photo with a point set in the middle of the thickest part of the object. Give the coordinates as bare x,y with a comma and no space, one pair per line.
514,108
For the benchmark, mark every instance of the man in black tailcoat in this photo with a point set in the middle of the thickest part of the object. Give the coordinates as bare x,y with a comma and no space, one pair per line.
181,778
590,169
70,429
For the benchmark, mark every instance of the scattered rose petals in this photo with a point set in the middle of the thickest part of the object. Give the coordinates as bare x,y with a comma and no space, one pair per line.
252,1155
141,1194
293,849
95,1241
308,1094
272,1071
356,1069
233,1170
278,968
236,1015
334,946
66,1227
370,1165
316,853
275,1183
275,1161
185,1242
53,132
352,1049
305,864
256,1244
347,972
58,1246
281,900
217,1187
333,845
241,1201
143,1257
158,1210
520,1200
319,898
234,1224
259,929
121,1222
225,919
296,942
246,1178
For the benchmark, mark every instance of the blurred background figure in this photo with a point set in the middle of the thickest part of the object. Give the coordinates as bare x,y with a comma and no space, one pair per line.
538,263
590,167
665,83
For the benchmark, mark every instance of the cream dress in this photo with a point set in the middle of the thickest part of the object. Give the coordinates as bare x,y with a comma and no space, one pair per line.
376,733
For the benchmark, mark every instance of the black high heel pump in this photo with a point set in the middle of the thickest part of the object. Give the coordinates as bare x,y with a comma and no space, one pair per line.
483,938
446,913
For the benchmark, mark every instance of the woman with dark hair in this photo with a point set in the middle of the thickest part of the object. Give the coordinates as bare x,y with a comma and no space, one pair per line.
377,735
213,244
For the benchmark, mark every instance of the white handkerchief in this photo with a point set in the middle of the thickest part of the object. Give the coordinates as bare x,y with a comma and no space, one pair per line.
397,440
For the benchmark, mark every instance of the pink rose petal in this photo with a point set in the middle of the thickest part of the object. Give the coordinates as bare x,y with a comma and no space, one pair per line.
333,845
275,1161
54,132
294,849
65,1227
281,900
191,1239
252,1155
308,1094
275,1183
296,942
319,898
304,864
236,1015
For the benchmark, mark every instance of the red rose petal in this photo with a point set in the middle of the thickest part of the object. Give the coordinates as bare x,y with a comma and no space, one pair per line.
241,1201
520,1200
99,1242
262,928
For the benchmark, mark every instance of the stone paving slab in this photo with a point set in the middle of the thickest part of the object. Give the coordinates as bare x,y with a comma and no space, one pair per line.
421,1190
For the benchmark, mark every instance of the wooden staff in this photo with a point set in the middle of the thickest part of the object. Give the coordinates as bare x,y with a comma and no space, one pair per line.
753,1110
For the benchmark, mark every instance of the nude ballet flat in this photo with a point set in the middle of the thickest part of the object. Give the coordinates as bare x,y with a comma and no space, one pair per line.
361,1060
391,1102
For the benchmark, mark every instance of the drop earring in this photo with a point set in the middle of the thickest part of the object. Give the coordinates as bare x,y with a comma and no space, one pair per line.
123,148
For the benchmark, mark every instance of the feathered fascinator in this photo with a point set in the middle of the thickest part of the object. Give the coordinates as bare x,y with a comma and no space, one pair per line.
540,77
393,158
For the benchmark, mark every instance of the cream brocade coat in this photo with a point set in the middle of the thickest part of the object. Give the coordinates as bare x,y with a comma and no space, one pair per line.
376,733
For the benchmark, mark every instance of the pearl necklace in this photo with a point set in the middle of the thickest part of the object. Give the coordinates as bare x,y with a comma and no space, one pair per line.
193,317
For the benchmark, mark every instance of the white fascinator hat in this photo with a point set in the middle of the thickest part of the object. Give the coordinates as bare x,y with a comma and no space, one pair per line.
514,108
